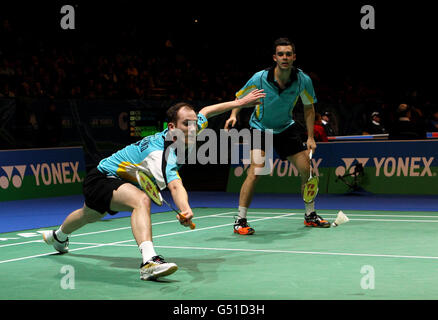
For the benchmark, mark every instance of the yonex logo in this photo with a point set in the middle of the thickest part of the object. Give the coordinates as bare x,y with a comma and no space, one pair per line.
408,167
53,173
238,171
311,190
46,174
390,166
12,176
349,167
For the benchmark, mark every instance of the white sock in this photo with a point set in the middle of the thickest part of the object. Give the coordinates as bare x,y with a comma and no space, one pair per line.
61,235
310,207
242,212
147,250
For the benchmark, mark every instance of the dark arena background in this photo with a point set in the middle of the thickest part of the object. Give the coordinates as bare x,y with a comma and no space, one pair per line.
74,91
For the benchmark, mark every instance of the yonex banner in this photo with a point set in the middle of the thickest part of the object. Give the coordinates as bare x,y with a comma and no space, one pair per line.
382,167
40,173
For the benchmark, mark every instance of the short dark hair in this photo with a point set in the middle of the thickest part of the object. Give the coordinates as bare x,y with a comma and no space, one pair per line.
283,42
403,110
172,112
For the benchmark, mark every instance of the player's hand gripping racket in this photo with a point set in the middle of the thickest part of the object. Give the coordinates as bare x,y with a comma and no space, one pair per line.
311,186
151,190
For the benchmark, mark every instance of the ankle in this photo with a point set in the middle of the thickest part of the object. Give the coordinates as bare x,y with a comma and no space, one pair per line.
60,235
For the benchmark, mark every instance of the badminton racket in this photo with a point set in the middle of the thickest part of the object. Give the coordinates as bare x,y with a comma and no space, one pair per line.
151,189
311,186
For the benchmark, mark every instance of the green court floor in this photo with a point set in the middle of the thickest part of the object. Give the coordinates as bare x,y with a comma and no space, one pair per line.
377,255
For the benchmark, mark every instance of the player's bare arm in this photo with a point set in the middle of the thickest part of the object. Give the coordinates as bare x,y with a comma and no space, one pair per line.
250,100
181,199
309,118
232,120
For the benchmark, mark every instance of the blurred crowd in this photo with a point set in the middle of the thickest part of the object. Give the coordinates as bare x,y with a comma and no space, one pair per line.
346,107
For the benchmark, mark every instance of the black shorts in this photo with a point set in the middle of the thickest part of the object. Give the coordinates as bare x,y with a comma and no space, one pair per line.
98,190
286,143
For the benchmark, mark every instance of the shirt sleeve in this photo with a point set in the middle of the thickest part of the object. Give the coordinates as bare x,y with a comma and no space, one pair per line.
247,88
170,168
202,122
161,169
308,93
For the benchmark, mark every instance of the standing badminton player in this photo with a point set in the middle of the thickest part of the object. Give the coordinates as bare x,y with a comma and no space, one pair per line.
283,84
112,186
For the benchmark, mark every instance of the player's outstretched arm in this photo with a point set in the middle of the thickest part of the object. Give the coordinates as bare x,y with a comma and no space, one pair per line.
232,120
181,199
309,118
250,100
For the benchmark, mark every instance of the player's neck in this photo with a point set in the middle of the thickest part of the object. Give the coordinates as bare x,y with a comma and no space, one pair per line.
282,75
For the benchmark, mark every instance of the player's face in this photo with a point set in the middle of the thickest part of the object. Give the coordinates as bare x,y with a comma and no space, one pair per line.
187,123
284,57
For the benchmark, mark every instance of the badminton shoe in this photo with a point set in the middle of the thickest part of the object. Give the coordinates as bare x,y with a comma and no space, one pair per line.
241,227
156,268
50,238
313,220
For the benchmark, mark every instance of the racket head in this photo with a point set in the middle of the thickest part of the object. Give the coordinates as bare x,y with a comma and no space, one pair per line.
311,189
149,187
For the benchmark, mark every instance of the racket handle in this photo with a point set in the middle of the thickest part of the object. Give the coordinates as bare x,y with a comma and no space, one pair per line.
310,159
192,225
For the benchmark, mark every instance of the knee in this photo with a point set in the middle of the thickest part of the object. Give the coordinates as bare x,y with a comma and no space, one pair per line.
142,201
92,216
304,171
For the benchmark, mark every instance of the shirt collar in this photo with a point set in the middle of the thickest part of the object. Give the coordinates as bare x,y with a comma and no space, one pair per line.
271,78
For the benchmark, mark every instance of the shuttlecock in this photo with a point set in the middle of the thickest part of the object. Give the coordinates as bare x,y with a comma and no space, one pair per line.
340,219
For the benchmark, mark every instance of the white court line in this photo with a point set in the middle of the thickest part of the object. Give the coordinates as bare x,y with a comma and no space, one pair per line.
275,251
153,224
250,213
118,242
55,252
384,220
175,233
379,215
393,220
348,214
110,230
19,243
302,252
221,225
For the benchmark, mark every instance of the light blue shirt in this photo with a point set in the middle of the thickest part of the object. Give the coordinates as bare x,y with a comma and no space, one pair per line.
275,111
147,155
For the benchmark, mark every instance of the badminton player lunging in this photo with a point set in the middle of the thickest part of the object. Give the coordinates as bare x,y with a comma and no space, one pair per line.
112,186
283,85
